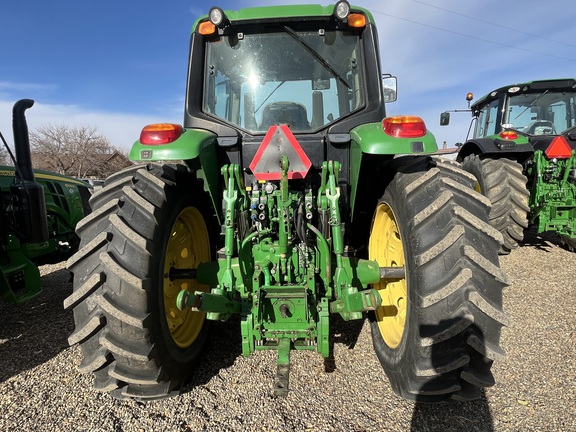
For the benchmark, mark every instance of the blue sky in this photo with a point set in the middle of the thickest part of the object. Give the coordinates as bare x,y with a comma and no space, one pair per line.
119,65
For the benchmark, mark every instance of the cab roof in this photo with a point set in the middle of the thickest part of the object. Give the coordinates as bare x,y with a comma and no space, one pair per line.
528,87
282,12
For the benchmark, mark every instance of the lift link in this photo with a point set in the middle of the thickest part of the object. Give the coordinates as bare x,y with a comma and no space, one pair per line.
218,303
350,302
230,198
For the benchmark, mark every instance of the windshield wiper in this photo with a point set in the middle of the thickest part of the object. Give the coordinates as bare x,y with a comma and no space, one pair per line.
532,104
268,97
317,56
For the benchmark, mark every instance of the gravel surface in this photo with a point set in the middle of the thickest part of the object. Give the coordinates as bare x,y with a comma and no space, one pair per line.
41,390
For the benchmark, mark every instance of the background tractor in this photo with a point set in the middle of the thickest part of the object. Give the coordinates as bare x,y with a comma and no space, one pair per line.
38,216
283,199
523,154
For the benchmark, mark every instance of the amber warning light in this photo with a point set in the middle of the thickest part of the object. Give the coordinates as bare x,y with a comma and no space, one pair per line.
160,133
357,20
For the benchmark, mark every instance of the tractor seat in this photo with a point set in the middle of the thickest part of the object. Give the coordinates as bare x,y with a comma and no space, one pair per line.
541,127
291,113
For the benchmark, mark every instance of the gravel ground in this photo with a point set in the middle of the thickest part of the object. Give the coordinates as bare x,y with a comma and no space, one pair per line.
41,390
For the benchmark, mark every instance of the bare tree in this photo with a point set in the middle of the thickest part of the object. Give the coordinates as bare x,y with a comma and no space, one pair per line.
74,151
4,159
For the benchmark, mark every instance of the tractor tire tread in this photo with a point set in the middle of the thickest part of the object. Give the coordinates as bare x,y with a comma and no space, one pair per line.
503,182
453,252
113,311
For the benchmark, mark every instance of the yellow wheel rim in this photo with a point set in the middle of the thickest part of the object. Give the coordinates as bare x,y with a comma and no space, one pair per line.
386,248
188,246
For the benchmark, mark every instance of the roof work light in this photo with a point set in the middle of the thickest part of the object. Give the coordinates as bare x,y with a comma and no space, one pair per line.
342,10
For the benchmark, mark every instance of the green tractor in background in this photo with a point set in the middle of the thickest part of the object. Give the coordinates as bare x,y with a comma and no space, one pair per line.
523,154
38,215
288,196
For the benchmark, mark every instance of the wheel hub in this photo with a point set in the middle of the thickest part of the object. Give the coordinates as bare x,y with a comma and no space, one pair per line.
386,248
187,247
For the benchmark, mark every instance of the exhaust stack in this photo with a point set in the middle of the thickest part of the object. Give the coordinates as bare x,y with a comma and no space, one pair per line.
27,196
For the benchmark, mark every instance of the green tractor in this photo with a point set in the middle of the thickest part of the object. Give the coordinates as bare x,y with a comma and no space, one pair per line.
523,154
288,197
38,216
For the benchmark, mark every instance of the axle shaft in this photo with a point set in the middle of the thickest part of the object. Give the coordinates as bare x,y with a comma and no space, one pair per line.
393,273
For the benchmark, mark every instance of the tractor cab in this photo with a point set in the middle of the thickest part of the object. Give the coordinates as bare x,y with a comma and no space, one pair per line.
533,109
314,69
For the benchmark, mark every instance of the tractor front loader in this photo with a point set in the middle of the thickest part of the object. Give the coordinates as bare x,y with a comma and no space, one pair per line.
283,199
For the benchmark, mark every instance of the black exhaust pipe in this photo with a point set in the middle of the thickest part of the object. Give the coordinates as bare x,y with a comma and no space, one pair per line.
22,140
28,199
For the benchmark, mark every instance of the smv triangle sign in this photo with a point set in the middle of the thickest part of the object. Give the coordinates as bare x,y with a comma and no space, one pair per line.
279,140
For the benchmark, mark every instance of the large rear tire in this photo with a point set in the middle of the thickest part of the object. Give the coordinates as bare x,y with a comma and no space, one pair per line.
502,182
437,332
133,338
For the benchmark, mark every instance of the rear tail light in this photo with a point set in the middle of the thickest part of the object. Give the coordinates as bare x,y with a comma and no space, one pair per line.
404,126
508,135
160,133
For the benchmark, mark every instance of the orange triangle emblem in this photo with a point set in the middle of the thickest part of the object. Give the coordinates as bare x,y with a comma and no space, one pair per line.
559,149
279,141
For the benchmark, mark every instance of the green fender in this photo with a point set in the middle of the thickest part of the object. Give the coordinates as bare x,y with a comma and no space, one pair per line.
197,148
519,148
370,139
19,277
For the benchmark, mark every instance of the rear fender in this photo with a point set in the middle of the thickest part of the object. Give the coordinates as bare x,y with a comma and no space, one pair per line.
519,149
370,139
189,145
197,147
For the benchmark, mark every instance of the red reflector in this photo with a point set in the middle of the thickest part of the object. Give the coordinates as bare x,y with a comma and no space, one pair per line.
508,135
404,126
559,149
160,133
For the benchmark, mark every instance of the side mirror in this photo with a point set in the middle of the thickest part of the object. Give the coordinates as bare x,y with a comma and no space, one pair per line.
390,87
444,119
